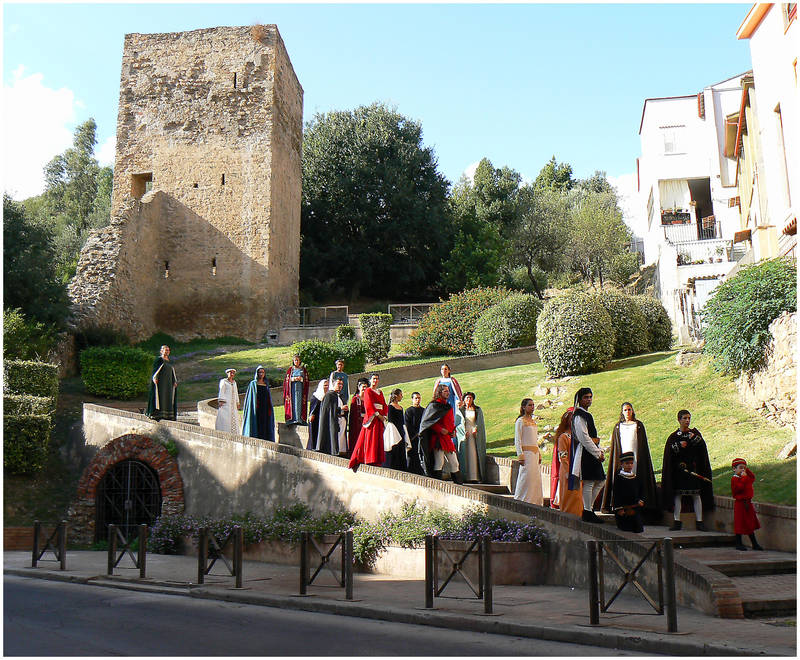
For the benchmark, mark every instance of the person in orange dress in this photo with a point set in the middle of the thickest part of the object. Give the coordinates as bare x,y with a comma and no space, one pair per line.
561,497
369,446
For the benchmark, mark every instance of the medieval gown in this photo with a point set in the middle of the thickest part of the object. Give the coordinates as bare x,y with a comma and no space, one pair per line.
471,436
369,446
331,437
259,417
529,478
745,520
396,458
561,497
313,415
162,402
355,417
412,418
227,407
295,395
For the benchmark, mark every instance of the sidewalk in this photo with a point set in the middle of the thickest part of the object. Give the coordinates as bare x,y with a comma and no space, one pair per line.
539,612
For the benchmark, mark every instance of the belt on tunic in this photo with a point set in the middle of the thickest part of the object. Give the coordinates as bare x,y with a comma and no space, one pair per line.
530,448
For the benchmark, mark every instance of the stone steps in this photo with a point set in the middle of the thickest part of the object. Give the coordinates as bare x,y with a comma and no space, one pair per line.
750,568
768,595
495,489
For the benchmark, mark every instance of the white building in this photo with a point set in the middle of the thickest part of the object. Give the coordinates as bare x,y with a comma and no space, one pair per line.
687,187
765,137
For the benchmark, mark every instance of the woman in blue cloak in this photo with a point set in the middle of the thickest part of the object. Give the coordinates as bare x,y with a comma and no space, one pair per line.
259,417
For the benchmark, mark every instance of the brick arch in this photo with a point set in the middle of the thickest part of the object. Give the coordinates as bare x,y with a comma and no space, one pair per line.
125,447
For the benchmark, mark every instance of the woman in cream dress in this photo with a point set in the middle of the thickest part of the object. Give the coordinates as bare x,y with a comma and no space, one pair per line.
228,404
526,442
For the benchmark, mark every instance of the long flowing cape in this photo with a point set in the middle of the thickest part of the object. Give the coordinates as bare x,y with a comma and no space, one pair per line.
250,426
434,412
644,470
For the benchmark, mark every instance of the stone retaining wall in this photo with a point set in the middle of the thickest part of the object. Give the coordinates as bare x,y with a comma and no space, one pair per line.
773,389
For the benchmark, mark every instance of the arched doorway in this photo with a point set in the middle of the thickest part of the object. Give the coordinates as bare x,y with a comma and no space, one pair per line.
128,495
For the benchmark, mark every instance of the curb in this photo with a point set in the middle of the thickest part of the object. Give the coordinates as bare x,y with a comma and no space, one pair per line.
612,638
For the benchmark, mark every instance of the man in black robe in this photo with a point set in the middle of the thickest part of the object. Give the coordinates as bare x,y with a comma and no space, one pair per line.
162,401
626,497
686,471
412,418
331,437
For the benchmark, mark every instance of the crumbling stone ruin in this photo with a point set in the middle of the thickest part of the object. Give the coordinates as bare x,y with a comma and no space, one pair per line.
204,237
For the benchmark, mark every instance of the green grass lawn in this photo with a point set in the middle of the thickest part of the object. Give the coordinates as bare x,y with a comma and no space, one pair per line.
657,388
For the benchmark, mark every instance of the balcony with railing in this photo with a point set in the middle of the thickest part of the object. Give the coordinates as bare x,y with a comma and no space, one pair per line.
708,229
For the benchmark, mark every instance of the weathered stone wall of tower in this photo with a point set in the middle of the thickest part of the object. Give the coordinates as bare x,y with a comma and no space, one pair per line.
206,200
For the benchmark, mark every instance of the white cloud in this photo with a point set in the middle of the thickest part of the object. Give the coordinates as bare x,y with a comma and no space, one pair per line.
630,202
469,171
107,151
38,125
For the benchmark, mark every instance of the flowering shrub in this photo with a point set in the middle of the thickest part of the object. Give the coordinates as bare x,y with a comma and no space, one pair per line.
407,529
574,335
447,328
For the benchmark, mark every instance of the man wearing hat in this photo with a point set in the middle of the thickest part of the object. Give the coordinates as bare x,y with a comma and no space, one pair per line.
745,520
626,497
228,404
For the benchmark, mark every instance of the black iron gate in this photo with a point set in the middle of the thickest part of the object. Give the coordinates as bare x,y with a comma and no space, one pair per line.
128,495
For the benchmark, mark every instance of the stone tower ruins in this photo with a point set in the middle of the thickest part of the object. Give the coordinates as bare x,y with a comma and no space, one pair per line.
204,237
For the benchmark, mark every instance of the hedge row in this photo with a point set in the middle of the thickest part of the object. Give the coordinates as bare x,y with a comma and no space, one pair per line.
25,442
508,324
29,377
27,404
116,372
376,334
319,356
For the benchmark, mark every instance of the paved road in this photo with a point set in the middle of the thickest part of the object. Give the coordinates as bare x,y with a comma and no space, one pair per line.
44,618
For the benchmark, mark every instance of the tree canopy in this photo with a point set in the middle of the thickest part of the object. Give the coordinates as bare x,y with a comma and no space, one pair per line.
374,206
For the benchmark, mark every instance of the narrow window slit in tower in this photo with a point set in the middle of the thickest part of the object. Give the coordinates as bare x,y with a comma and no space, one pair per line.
214,267
166,270
223,179
194,186
234,81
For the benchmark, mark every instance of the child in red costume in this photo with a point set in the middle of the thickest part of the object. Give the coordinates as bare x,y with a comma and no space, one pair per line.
745,520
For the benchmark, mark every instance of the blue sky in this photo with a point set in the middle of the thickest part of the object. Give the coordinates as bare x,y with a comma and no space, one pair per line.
514,83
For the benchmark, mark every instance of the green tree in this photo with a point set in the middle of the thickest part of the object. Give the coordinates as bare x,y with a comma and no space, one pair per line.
555,176
30,282
372,197
541,234
484,213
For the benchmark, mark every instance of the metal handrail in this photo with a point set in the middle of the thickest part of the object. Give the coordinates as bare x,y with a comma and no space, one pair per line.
306,316
409,313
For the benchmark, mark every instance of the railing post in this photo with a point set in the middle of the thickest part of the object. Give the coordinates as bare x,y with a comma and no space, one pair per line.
594,606
202,554
348,567
37,530
62,544
112,548
487,574
303,563
669,578
429,571
142,556
238,542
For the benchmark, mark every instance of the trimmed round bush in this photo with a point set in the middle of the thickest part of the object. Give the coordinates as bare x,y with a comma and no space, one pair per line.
29,377
738,315
319,356
377,335
574,335
116,372
26,439
658,324
508,324
447,328
628,321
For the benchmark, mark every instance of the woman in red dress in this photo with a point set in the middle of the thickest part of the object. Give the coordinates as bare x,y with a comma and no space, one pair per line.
745,520
369,446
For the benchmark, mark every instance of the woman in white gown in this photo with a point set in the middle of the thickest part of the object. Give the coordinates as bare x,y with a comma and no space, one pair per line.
228,404
526,443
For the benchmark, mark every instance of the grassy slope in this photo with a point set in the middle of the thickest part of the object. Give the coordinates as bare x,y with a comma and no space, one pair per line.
658,389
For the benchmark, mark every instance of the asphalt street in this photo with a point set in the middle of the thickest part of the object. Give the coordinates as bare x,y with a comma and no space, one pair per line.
43,618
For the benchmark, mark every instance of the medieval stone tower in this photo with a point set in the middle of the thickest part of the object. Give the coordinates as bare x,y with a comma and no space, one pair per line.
205,224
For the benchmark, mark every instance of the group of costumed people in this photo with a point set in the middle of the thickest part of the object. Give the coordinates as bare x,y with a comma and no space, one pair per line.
449,435
629,489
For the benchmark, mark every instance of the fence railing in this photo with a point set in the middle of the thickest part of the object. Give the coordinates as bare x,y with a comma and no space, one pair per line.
115,555
690,232
322,316
482,547
59,550
344,578
410,314
210,547
660,551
